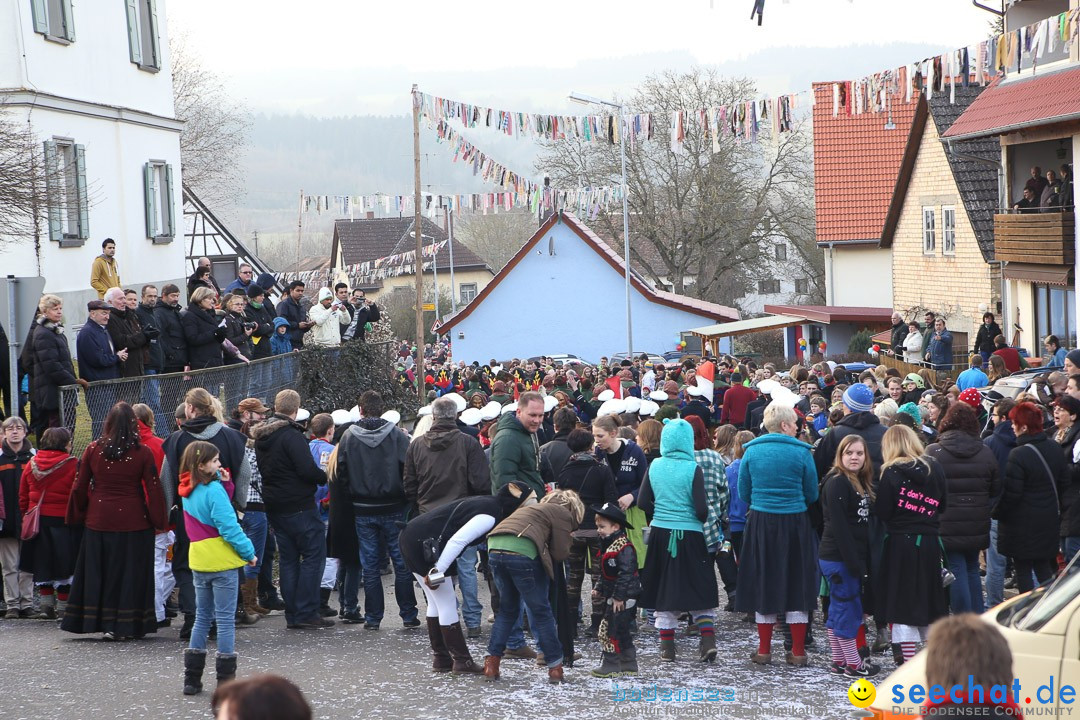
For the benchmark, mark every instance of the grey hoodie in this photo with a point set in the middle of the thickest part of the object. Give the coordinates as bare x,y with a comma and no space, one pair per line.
371,458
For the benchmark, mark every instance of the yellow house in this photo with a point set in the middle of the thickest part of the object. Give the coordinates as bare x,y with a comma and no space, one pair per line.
357,242
943,244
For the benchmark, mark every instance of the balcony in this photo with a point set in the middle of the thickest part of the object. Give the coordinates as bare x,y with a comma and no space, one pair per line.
1036,238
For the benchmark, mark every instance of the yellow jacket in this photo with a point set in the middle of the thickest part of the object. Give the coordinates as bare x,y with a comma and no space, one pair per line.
104,275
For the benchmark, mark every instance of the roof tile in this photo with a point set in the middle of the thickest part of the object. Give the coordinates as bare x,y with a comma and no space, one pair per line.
1013,104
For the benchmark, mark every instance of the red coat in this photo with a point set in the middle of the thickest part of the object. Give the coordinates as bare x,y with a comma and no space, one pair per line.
126,494
152,441
53,470
1011,357
736,399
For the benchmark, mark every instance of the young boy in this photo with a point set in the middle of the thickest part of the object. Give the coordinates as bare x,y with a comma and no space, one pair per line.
619,587
818,416
280,344
322,432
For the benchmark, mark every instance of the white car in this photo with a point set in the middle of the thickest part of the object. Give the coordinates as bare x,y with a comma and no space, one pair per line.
1043,631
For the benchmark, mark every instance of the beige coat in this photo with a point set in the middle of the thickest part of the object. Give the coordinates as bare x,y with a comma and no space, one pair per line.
548,525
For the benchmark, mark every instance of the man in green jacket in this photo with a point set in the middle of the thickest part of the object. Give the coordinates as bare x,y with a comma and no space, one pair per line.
515,451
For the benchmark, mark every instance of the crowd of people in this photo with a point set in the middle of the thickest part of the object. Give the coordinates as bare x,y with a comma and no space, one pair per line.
1047,193
873,500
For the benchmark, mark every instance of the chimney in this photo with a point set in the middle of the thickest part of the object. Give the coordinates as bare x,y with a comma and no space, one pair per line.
369,215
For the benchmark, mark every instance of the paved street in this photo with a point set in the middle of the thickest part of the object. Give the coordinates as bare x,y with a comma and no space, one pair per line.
347,672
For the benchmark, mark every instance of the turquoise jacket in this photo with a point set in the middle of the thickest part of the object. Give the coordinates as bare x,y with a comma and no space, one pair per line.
777,475
671,477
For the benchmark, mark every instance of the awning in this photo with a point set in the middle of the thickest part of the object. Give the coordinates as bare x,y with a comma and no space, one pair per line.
1046,274
741,327
1009,106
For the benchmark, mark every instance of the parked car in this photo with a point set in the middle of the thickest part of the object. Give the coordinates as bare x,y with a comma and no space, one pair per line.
564,359
653,357
1043,631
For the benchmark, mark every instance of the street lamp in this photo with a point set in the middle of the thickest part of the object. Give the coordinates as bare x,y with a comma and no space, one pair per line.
590,100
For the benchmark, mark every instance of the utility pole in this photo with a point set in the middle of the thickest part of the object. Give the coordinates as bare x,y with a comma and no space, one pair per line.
421,386
299,231
450,245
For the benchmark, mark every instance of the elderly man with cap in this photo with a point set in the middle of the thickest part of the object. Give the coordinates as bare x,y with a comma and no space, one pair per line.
99,359
328,315
444,466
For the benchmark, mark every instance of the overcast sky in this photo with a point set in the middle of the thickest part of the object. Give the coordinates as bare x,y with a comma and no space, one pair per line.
334,57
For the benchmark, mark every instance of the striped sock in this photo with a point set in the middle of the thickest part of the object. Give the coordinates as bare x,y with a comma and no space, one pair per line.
834,646
667,634
706,627
908,648
45,590
851,652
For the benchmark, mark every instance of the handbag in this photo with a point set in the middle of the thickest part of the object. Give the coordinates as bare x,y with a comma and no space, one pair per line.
1050,474
431,547
31,521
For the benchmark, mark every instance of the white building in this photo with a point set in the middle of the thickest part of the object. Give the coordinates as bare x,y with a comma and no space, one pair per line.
94,83
780,276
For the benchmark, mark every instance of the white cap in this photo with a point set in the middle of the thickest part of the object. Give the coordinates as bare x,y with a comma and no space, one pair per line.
491,410
658,396
471,416
426,410
341,417
606,395
325,294
508,408
302,415
633,404
705,387
354,414
550,403
391,416
784,398
648,408
693,390
768,387
612,407
460,402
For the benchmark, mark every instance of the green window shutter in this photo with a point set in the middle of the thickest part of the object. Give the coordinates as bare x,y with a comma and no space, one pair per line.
148,194
69,21
134,46
52,201
167,199
41,16
84,200
154,39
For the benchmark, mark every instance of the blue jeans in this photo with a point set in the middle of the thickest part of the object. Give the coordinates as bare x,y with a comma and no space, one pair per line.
376,532
254,525
471,609
995,570
349,595
965,594
301,540
520,579
1070,546
151,395
215,601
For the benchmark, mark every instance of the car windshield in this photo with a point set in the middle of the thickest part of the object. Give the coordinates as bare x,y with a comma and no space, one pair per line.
1062,592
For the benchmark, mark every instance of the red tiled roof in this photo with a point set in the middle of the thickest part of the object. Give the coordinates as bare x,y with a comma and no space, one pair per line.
719,313
834,313
1007,106
857,165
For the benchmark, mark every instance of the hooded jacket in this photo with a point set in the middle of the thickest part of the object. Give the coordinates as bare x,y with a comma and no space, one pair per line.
675,485
217,541
172,341
264,321
777,475
326,332
548,525
104,274
371,460
1028,514
203,333
972,481
911,498
1001,442
11,472
152,441
289,473
590,479
444,465
54,472
229,443
280,343
864,424
515,455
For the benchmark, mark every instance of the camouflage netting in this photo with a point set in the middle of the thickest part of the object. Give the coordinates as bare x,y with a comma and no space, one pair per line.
334,378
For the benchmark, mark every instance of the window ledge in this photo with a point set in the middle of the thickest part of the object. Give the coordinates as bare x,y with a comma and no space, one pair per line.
148,68
162,239
57,39
71,242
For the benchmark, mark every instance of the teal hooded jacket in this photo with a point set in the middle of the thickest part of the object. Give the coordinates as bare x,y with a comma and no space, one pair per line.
672,478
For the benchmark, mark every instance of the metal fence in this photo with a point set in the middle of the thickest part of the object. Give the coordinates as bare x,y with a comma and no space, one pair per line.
326,378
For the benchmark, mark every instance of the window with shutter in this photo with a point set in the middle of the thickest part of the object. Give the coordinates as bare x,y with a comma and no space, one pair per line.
52,191
68,201
53,19
158,197
144,41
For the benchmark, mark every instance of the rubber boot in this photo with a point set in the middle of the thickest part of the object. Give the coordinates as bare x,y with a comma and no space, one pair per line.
243,617
442,661
226,667
46,608
707,648
667,650
491,667
628,660
324,604
594,625
250,593
194,664
454,641
609,666
189,623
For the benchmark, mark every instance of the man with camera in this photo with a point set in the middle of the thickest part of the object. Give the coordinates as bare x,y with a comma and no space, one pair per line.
327,316
364,312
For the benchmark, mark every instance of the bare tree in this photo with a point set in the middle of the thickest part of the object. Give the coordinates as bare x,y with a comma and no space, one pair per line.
215,128
23,194
696,214
495,237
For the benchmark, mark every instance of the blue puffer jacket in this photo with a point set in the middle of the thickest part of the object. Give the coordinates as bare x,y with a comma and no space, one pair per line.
777,475
736,507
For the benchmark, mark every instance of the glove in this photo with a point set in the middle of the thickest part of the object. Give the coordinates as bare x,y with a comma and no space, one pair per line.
151,332
219,334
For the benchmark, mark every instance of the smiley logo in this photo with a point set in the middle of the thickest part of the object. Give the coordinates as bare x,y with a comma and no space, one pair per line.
861,693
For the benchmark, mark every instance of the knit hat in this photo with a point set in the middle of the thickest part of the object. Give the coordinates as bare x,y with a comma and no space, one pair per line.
671,388
912,410
736,378
917,379
325,294
498,387
255,291
1073,356
972,397
859,398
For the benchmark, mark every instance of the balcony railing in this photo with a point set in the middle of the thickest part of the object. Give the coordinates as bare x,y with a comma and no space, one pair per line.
1039,238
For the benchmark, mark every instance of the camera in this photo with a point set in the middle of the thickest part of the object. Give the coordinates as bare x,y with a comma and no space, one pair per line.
250,326
435,578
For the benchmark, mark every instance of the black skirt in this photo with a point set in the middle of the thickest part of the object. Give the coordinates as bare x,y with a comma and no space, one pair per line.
908,587
683,580
113,589
52,554
778,569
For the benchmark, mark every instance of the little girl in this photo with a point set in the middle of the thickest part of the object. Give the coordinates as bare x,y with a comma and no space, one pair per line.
218,547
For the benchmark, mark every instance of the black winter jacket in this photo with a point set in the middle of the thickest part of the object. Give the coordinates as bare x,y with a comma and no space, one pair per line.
592,480
265,330
1028,515
984,339
619,568
47,359
864,424
911,498
553,456
371,460
204,336
11,468
899,334
1069,490
174,349
234,332
973,480
155,358
846,525
289,473
126,332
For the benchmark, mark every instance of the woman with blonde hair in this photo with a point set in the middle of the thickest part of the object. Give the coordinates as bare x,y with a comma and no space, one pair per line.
648,438
911,496
203,330
735,522
724,442
997,369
